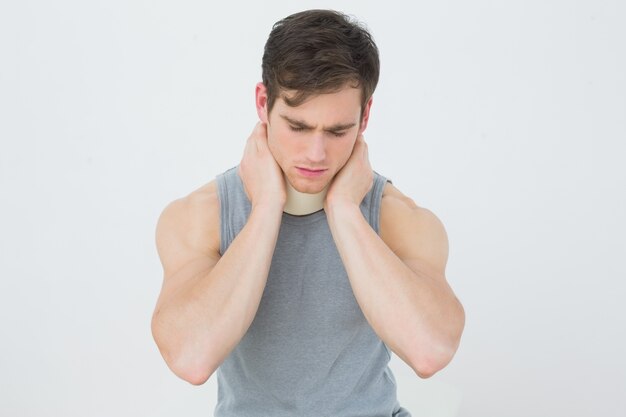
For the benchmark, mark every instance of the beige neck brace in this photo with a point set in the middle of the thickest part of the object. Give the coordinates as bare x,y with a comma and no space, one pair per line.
300,204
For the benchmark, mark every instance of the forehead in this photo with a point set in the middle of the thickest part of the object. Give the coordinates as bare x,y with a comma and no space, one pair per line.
341,106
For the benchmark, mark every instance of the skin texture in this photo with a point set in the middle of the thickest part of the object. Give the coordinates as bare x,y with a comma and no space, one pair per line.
208,301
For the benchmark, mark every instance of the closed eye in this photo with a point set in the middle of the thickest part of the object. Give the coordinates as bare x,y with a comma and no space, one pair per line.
300,129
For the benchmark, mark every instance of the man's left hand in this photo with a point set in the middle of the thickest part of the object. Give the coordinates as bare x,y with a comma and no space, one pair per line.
354,180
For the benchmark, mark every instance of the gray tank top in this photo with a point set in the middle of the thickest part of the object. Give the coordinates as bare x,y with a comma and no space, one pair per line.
309,350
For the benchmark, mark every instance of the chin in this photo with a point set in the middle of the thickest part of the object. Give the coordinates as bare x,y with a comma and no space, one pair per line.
308,186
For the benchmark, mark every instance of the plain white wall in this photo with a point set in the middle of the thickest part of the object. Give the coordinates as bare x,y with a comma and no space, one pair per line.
506,119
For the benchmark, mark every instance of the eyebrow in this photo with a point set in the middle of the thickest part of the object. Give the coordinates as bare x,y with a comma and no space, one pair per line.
304,125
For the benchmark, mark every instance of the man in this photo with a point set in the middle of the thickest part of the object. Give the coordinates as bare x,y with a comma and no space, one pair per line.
295,273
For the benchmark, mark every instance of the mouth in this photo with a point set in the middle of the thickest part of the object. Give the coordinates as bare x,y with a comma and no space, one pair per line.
310,172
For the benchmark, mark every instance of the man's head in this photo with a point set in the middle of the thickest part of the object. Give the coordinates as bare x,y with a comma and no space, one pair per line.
320,70
318,51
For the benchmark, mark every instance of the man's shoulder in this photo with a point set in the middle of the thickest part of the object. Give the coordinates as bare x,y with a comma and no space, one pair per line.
204,196
395,198
193,220
409,229
199,204
396,207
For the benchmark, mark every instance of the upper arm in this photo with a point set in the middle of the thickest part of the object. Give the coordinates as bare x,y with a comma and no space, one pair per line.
415,234
188,239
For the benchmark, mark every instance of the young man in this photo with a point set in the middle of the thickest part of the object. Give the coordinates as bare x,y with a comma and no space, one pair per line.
296,272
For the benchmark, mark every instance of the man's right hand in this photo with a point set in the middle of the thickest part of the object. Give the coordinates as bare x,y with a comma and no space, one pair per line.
261,175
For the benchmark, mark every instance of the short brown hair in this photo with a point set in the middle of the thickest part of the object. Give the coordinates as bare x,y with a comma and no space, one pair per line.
316,52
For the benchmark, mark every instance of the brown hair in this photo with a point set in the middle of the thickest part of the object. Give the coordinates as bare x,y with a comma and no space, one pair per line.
316,52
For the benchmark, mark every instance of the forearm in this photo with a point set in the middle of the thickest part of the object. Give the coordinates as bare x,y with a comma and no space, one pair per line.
201,324
416,315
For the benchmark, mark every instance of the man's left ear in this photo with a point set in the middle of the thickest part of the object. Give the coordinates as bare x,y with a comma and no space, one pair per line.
366,115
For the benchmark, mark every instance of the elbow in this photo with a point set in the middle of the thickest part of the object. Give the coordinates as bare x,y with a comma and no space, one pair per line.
436,356
185,365
422,362
195,377
188,368
425,370
427,365
424,375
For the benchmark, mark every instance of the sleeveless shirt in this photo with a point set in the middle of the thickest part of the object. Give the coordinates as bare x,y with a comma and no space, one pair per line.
309,350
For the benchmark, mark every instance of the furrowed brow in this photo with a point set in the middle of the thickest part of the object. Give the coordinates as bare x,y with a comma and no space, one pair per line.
298,123
341,126
304,125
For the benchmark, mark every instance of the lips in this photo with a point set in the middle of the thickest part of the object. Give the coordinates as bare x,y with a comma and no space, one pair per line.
310,172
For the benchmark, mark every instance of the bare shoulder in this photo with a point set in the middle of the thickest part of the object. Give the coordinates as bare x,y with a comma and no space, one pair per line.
412,232
189,228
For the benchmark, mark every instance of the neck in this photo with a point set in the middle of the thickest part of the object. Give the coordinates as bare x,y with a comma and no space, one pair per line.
300,204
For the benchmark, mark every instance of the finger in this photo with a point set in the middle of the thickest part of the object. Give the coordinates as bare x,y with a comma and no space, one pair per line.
360,145
261,138
361,140
260,130
263,129
364,149
251,145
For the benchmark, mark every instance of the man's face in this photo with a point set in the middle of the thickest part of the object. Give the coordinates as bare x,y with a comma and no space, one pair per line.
313,141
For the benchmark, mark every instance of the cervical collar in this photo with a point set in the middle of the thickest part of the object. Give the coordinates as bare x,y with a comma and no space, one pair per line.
300,204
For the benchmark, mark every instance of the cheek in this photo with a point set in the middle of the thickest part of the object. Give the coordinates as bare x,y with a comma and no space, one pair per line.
283,146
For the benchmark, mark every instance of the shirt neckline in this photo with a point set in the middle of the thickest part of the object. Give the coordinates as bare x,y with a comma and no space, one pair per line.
305,218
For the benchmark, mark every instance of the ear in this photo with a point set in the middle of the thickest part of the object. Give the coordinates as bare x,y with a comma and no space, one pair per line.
366,115
261,101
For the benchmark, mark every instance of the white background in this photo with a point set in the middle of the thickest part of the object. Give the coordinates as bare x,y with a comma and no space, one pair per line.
506,119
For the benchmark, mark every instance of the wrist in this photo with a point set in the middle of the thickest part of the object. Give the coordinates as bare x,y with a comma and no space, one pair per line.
269,206
339,207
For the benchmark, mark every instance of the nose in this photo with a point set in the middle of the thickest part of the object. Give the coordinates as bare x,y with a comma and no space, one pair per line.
316,150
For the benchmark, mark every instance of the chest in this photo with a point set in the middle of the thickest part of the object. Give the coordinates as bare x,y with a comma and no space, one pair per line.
308,290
